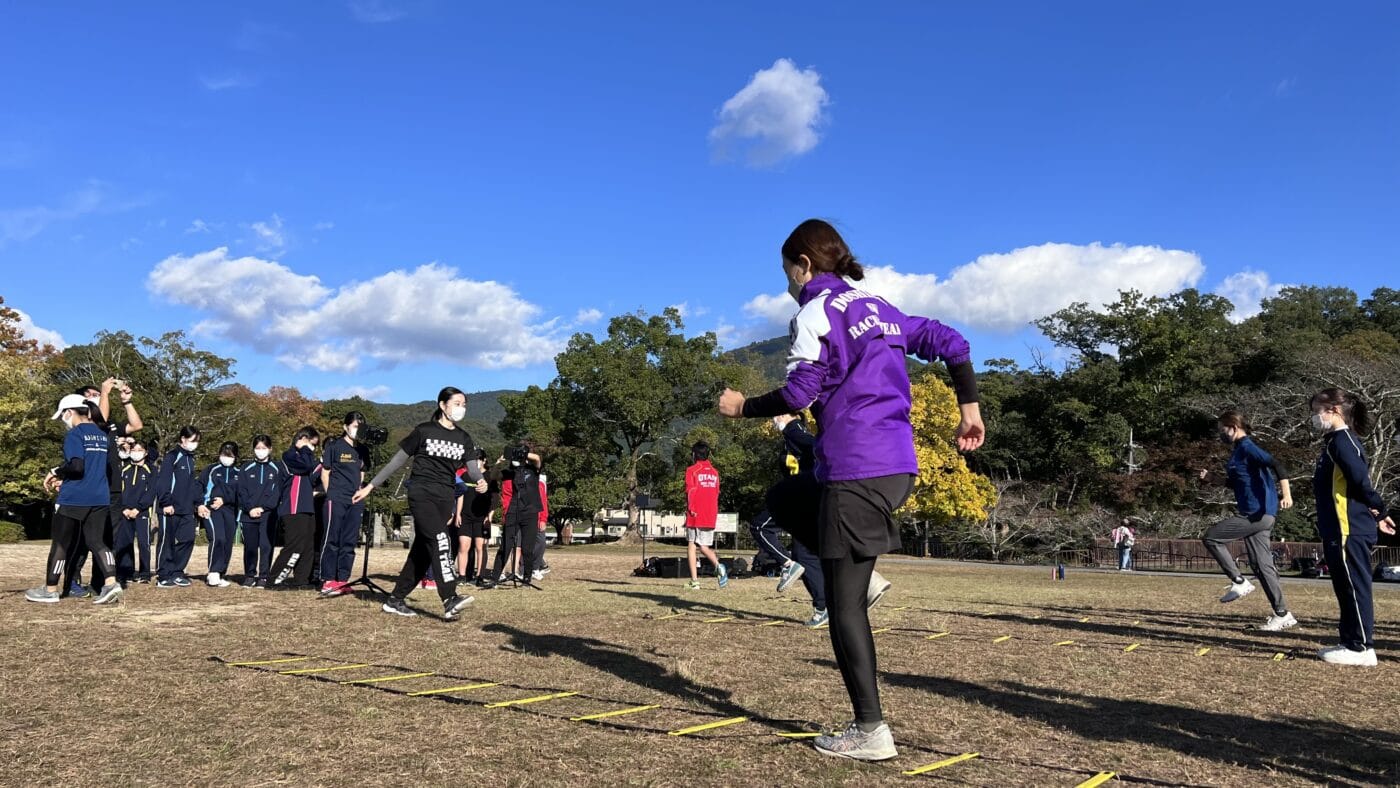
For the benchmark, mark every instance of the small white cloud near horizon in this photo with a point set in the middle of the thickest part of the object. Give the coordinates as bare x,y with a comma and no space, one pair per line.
401,316
371,393
375,12
269,235
774,117
43,336
1006,292
1247,290
588,316
225,82
198,226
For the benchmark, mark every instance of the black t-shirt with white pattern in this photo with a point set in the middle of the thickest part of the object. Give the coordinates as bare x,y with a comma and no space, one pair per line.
438,453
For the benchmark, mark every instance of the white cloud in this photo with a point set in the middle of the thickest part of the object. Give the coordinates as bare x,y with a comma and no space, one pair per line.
225,82
1246,290
373,12
588,316
372,393
774,117
428,314
270,236
43,336
323,226
198,226
1005,292
21,224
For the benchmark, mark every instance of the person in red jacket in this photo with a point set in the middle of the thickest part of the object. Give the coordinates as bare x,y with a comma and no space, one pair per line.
702,512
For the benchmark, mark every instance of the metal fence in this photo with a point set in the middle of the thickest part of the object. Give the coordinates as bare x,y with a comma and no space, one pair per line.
1191,555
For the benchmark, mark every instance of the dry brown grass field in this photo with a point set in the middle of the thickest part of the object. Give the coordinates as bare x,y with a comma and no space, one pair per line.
1034,675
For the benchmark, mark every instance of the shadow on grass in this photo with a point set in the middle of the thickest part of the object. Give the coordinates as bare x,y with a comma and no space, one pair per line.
1313,750
682,603
617,661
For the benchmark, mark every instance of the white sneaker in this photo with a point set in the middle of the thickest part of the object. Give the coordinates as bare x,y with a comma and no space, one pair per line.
1341,655
1238,591
1280,623
537,575
217,582
879,586
878,745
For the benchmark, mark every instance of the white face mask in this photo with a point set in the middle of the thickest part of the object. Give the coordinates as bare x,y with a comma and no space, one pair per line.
123,454
261,454
191,447
353,430
226,461
67,419
457,413
1320,425
138,456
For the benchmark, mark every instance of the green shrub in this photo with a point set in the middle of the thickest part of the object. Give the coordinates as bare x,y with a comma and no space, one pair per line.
11,532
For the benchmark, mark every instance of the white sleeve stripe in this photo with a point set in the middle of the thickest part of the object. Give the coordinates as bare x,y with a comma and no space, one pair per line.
808,328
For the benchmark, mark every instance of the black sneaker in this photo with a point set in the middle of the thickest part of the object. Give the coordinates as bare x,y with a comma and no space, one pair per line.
486,584
262,583
165,584
183,582
398,607
249,582
455,605
143,580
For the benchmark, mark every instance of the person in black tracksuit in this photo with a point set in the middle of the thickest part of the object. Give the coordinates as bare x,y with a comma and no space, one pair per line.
292,568
440,450
791,505
520,495
1350,515
219,486
343,472
259,494
133,532
178,503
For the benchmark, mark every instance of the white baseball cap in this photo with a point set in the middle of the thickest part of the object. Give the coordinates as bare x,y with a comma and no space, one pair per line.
69,402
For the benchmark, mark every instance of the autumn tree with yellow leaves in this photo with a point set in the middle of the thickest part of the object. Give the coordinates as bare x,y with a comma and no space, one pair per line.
947,491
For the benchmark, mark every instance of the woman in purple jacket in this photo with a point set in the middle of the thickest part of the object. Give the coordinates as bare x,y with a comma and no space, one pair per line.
847,363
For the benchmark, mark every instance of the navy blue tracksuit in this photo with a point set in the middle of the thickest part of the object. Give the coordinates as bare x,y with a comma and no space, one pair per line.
137,488
259,487
222,526
177,486
346,463
791,505
1345,498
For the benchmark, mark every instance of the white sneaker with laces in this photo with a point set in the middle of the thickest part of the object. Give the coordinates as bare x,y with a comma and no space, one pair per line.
877,745
877,589
1238,590
1280,623
1341,655
217,582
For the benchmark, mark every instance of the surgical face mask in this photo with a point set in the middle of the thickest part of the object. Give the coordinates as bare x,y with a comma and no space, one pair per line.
67,419
353,430
191,447
794,288
457,413
1320,425
123,453
261,454
138,456
226,461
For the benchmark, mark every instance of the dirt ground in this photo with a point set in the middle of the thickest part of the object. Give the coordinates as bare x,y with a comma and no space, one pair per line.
1038,677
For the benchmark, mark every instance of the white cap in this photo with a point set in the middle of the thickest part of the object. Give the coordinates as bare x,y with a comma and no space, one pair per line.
70,401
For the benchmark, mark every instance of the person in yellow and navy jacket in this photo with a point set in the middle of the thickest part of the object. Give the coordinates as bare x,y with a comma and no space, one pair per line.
1350,514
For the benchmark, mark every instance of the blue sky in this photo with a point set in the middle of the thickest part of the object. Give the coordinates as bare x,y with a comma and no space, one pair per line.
387,197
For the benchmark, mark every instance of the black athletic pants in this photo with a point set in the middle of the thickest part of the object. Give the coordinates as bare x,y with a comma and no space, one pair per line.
432,547
74,525
293,564
520,529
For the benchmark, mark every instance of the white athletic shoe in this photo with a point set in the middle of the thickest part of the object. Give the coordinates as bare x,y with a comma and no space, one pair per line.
878,745
879,586
1280,623
215,581
111,594
1341,655
1238,591
537,575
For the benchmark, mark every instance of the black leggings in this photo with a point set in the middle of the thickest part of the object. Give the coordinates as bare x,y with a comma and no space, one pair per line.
432,547
73,525
846,581
293,564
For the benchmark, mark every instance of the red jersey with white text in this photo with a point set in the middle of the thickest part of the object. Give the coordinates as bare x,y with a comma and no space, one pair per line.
702,495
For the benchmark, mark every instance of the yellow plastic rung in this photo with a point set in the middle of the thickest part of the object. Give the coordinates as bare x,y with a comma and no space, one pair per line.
1279,657
1132,648
880,631
387,679
938,635
708,726
270,662
1002,639
1201,652
1065,643
941,764
527,701
618,713
673,615
719,620
462,688
773,623
1097,780
1084,620
309,671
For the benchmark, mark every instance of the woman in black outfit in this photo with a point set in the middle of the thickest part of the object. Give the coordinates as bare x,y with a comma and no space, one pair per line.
439,449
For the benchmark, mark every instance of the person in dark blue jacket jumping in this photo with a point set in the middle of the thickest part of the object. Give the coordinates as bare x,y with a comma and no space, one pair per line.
219,487
259,494
1350,515
179,503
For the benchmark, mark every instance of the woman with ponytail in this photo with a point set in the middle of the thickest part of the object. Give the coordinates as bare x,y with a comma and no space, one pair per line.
847,363
1350,514
439,450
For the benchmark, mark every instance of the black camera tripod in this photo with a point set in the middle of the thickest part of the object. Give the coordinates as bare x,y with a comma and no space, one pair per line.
365,581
